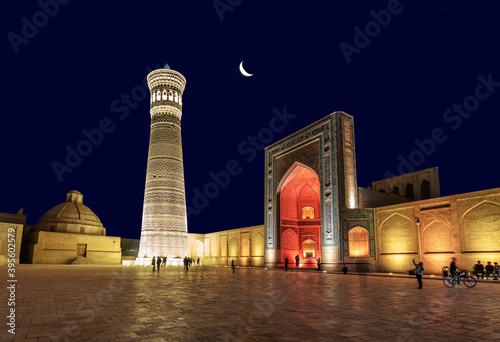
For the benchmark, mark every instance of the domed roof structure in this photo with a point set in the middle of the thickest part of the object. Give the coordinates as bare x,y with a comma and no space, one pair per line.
71,213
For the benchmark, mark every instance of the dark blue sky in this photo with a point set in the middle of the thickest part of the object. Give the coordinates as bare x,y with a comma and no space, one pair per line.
429,71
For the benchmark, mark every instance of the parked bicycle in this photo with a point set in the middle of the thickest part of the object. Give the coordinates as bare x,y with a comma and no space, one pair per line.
467,280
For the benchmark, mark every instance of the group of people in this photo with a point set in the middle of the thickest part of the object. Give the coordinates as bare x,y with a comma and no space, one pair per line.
318,262
158,261
189,262
297,260
481,271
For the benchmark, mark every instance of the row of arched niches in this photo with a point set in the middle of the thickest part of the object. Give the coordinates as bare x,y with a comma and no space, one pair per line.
166,95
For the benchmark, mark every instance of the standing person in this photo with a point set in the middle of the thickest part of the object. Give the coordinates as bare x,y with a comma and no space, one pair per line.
419,272
297,260
232,264
153,263
286,263
158,262
165,261
198,262
319,264
344,269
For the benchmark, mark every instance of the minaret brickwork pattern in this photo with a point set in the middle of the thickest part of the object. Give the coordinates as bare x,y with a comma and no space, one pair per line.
164,224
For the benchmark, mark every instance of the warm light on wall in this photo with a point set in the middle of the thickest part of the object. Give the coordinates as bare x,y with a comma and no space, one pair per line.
399,260
309,246
358,243
307,213
352,201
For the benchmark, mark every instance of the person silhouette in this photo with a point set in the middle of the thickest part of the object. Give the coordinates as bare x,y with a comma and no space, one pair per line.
153,262
286,263
297,260
319,264
232,264
419,272
158,262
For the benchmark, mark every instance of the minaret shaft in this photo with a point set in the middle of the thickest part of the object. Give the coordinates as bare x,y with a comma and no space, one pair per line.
164,223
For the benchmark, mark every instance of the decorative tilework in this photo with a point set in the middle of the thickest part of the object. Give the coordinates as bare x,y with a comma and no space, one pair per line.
366,215
164,224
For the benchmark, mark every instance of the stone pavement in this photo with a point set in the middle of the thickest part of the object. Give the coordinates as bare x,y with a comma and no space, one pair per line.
118,303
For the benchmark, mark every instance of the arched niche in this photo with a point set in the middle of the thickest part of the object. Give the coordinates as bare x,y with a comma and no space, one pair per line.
234,247
258,245
307,212
425,189
299,188
481,227
437,238
223,246
399,235
199,248
409,191
359,242
309,248
298,194
244,245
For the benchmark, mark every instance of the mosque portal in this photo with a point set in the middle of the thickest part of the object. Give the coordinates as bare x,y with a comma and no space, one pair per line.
310,187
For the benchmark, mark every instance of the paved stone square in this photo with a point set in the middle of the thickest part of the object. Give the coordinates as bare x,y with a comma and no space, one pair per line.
118,303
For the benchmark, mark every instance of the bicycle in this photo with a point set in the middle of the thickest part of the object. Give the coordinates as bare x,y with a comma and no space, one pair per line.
451,281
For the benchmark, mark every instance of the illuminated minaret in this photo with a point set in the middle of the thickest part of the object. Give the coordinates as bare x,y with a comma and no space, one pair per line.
164,224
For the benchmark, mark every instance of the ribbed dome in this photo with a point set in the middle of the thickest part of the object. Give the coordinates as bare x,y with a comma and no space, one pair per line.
72,211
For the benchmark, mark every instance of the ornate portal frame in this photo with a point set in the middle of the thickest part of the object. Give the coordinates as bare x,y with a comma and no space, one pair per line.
333,155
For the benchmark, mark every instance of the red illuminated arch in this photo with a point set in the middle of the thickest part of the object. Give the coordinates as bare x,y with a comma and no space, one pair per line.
299,218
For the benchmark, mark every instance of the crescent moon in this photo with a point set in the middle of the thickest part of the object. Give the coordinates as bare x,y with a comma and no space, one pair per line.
243,72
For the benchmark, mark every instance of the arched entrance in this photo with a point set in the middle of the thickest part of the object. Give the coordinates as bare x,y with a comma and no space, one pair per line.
299,216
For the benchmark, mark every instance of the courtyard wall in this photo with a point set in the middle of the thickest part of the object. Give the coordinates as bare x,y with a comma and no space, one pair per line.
243,245
62,248
464,226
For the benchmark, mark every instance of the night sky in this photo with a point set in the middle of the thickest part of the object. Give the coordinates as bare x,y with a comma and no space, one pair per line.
408,72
